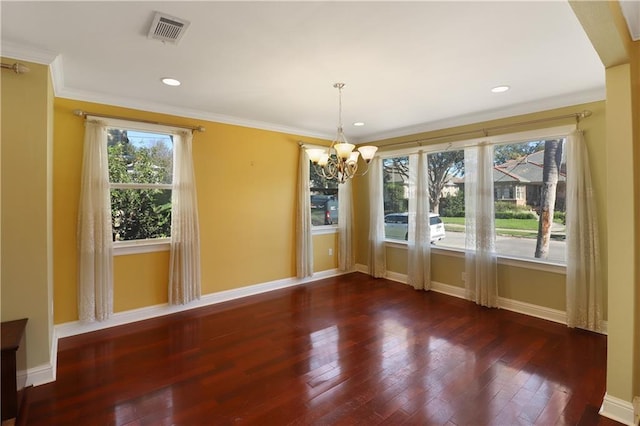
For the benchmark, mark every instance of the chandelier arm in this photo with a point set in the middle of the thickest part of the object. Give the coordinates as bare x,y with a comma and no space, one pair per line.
342,161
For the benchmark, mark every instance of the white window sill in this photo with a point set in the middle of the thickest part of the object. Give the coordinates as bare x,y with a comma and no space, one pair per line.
124,248
537,265
324,229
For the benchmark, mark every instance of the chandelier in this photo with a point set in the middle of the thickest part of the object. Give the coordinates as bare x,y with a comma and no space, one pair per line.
340,161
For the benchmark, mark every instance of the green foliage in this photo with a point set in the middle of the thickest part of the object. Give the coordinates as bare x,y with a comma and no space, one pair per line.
515,151
560,217
516,215
506,210
442,167
505,206
452,205
518,224
139,213
394,201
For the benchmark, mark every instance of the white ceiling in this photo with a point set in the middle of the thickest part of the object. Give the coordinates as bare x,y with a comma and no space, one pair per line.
408,66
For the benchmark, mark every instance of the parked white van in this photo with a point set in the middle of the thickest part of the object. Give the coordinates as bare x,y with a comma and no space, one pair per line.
396,226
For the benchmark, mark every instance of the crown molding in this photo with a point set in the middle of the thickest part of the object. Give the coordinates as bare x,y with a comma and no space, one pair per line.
102,98
30,54
18,52
57,75
631,12
593,95
15,51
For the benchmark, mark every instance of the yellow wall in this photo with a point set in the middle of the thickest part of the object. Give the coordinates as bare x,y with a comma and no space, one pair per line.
26,210
140,280
635,95
622,268
524,285
322,260
246,183
606,27
447,269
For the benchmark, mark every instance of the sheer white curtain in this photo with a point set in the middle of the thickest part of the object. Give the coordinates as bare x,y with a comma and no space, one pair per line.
481,282
95,280
584,281
419,247
346,259
377,251
304,242
184,271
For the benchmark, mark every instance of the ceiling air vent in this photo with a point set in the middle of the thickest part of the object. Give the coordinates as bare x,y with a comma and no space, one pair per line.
168,29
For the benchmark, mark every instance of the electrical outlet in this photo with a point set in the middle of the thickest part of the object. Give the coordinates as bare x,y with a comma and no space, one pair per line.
464,276
330,252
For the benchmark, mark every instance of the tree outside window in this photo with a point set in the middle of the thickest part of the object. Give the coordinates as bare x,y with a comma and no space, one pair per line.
529,192
140,174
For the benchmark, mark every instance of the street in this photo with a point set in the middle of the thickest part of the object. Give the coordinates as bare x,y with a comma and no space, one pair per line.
509,246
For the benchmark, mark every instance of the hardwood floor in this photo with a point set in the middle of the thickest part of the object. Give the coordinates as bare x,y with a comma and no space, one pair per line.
346,350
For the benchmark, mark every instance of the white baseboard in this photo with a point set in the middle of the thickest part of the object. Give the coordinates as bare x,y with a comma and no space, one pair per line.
450,290
362,268
503,303
533,310
394,276
530,309
77,327
38,375
43,373
617,409
46,373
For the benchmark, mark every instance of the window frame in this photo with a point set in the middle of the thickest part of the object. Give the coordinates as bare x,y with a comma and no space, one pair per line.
321,229
562,131
149,245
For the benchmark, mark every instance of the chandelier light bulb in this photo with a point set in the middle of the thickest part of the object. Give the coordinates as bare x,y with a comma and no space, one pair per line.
368,152
315,154
324,159
343,150
340,162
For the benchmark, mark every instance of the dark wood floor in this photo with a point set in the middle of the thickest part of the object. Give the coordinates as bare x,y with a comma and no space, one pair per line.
347,350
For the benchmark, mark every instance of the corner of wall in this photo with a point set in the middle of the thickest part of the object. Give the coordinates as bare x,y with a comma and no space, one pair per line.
617,409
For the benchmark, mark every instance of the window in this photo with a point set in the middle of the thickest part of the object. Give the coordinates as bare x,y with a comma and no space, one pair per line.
536,173
140,175
529,181
324,199
445,171
446,196
395,175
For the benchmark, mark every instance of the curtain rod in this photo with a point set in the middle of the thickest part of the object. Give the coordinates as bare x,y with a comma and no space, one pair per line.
485,130
84,114
15,67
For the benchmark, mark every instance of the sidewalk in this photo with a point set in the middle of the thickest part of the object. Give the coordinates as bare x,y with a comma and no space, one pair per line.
558,230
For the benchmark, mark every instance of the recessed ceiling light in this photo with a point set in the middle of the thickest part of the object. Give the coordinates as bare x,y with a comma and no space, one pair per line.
170,81
500,89
359,123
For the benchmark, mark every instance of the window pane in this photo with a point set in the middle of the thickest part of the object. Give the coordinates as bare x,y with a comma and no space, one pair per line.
139,214
139,157
529,179
446,198
395,174
324,199
144,158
